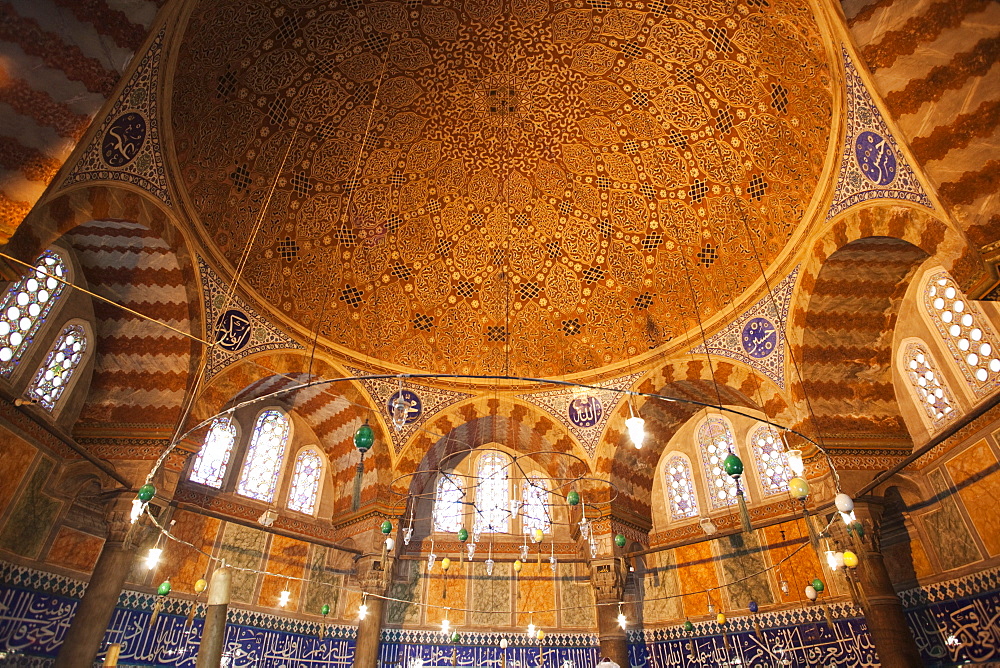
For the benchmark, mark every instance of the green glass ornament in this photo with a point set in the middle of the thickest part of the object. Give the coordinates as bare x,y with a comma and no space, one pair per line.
455,637
146,492
463,534
325,609
387,527
688,626
364,438
817,584
164,588
573,498
732,465
857,527
620,540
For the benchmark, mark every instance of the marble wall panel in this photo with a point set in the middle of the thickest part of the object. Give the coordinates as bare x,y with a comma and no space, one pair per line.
15,458
243,547
31,518
946,528
661,600
407,588
577,596
324,586
183,565
791,538
75,549
536,591
448,592
976,474
490,595
743,569
696,571
286,556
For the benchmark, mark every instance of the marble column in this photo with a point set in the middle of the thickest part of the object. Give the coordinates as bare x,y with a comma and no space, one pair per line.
90,621
213,638
884,615
608,579
373,577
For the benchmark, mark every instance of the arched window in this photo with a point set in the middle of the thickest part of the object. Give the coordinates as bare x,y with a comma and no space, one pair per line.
963,326
448,508
492,494
305,482
715,440
679,487
213,459
55,373
770,459
264,454
535,505
25,306
932,395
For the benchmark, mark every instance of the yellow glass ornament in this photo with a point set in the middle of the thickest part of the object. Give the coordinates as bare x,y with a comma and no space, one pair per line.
850,559
445,564
720,618
517,565
200,586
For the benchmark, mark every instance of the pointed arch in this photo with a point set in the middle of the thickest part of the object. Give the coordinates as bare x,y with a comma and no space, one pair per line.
26,305
259,478
307,480
212,462
715,442
966,332
678,487
56,373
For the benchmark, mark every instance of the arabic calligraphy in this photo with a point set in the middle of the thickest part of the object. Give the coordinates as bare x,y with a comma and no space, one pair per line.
759,337
233,330
875,157
404,407
585,411
123,139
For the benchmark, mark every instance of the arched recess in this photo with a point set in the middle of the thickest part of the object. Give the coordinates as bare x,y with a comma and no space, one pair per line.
521,428
633,471
333,411
131,252
846,342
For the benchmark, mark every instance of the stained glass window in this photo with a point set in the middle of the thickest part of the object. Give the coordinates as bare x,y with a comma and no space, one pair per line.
55,372
25,306
716,441
968,336
679,487
448,509
932,394
305,482
769,456
492,494
213,459
264,454
535,505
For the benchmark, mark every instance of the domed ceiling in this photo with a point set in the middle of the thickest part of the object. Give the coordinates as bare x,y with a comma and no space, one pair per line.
483,186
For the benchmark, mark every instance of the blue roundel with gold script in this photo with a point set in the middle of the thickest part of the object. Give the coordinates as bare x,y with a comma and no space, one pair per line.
124,139
404,407
585,411
759,337
876,158
233,330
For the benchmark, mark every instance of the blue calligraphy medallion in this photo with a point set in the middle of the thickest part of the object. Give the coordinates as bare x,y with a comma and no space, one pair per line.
875,157
404,407
759,337
124,139
585,411
233,330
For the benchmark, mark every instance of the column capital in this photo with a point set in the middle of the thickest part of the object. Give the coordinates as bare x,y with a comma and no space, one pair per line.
373,573
607,576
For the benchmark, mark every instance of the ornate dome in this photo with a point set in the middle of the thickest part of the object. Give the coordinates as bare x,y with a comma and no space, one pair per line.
484,186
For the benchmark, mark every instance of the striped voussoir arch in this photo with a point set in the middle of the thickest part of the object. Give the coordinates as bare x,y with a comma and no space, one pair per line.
141,368
59,62
936,64
476,422
731,384
851,282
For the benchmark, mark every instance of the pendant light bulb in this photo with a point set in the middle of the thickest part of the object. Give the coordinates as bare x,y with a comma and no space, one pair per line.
636,429
283,597
153,557
363,611
445,626
137,508
531,629
622,620
795,462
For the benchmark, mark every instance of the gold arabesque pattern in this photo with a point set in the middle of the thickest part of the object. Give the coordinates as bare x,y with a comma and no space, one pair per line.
482,181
